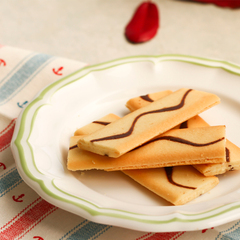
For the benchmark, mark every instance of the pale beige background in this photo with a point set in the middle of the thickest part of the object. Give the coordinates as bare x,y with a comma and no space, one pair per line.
93,30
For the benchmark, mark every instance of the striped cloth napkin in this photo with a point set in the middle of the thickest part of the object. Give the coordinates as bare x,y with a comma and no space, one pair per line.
23,213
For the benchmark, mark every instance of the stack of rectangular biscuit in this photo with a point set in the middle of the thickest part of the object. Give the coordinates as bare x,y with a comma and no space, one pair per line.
162,144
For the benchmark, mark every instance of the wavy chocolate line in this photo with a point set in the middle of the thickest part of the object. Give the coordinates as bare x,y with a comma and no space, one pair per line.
184,125
102,123
126,134
98,122
184,141
146,98
227,155
72,147
169,173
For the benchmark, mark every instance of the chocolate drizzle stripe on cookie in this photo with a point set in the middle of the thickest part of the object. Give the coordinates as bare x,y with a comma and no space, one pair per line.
184,125
227,155
102,123
169,173
72,147
146,98
128,133
184,141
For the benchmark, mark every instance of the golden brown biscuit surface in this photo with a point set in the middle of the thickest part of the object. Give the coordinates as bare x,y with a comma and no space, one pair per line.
232,151
145,123
142,101
177,185
176,147
90,128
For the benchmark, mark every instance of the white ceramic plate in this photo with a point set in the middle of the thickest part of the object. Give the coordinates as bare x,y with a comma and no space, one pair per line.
42,132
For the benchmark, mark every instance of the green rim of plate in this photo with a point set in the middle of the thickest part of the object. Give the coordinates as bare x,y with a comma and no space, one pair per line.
85,205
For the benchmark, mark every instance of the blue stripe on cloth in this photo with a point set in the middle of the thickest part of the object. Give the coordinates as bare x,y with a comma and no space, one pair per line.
230,234
16,67
88,231
22,76
72,230
95,237
9,180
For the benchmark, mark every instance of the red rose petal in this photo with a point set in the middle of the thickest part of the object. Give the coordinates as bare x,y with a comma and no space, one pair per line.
144,23
222,3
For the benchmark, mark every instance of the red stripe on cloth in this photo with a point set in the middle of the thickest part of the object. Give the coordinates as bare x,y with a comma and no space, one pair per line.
144,236
28,220
163,236
8,223
178,235
6,135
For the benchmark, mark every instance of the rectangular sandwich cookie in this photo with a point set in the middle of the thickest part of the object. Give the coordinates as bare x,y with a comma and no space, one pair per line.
178,185
176,147
140,126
